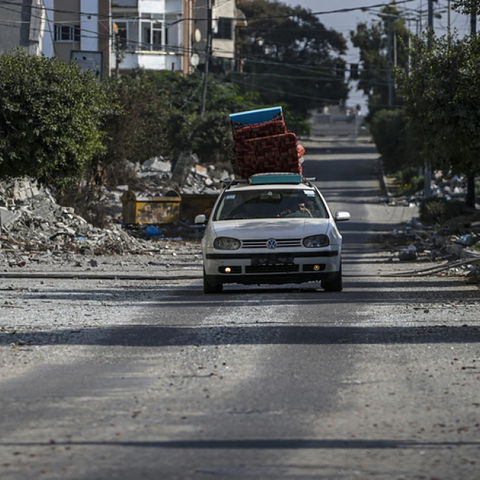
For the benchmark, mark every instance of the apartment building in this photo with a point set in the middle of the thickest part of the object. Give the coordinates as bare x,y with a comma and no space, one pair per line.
221,24
122,35
78,30
171,34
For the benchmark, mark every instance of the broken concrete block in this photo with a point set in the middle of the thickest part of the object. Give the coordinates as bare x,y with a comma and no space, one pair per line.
157,164
7,216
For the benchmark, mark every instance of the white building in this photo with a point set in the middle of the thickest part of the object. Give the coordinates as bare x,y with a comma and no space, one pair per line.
124,35
78,30
149,34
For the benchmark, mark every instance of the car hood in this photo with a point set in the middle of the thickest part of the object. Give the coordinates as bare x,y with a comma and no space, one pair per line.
271,228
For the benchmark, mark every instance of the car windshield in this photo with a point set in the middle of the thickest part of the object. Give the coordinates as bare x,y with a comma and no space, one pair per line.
270,203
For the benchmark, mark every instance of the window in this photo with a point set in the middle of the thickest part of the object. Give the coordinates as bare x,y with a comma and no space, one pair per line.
157,36
67,33
152,36
224,29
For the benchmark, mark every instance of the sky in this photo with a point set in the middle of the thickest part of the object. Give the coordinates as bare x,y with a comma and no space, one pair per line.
344,22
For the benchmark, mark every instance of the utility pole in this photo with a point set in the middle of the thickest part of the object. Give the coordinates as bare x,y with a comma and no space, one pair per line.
430,22
427,190
430,13
470,197
208,55
187,35
449,16
390,61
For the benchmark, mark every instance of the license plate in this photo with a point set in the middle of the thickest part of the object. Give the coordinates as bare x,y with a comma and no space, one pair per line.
272,261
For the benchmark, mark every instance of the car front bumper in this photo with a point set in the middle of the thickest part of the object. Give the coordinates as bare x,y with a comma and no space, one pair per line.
273,268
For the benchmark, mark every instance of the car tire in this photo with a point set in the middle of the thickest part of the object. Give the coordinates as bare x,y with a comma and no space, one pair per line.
334,285
210,286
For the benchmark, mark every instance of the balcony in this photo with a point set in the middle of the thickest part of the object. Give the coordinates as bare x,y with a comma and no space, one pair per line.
151,60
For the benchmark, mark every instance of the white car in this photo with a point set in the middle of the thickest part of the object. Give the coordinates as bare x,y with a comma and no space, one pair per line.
272,229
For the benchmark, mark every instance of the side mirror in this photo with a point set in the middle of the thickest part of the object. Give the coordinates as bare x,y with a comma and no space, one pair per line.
200,219
342,216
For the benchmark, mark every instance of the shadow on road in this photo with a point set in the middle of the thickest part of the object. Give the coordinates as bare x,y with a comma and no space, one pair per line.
293,444
166,336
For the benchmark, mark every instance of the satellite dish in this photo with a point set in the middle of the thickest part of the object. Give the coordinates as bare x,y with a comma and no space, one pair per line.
194,60
198,35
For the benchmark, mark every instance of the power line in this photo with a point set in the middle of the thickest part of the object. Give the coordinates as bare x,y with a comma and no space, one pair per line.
325,12
340,10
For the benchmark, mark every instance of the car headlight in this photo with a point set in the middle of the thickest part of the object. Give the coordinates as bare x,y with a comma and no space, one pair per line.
316,241
226,243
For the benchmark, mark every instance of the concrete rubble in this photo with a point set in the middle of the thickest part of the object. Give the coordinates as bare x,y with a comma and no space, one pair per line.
34,229
456,239
187,176
445,187
30,218
32,222
416,243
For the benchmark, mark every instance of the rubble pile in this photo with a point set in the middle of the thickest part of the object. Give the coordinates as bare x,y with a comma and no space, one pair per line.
31,221
33,227
455,239
418,243
442,186
156,176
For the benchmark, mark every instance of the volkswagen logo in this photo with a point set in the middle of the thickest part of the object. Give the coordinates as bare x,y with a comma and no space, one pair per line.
271,243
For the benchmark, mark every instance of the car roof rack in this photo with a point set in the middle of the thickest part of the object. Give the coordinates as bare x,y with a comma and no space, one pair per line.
281,177
269,179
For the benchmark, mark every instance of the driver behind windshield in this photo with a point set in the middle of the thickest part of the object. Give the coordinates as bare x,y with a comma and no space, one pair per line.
270,204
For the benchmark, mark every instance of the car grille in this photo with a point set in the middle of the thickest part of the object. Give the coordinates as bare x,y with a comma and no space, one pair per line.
281,243
272,269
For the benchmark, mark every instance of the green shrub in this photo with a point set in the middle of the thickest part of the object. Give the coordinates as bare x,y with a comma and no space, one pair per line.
417,183
51,117
409,181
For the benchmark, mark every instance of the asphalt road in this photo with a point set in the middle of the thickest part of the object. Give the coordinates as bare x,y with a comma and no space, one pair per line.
154,380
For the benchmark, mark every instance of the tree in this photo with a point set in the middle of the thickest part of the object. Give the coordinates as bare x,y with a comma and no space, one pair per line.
393,139
442,94
467,7
289,57
160,116
141,127
383,45
472,8
50,118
